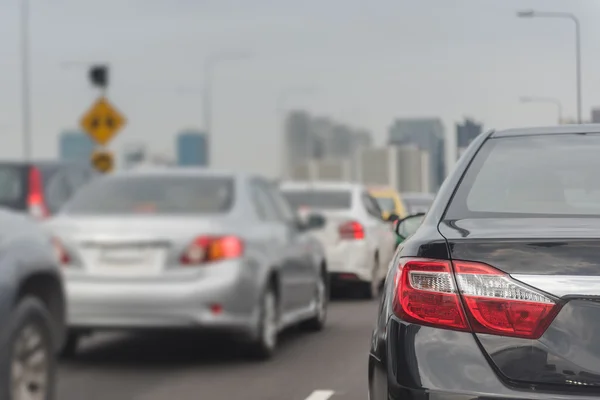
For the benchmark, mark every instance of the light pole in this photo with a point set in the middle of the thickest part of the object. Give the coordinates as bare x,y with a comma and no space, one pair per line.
25,80
556,102
209,65
282,99
572,17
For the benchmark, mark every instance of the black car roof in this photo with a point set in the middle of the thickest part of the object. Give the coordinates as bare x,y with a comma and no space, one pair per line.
548,130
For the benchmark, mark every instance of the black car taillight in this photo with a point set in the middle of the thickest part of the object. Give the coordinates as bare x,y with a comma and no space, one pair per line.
482,299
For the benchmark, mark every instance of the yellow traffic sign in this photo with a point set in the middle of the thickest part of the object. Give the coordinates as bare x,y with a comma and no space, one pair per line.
102,121
103,161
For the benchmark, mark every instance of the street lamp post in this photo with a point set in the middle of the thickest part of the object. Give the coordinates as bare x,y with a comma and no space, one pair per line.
572,17
556,102
25,80
282,99
209,66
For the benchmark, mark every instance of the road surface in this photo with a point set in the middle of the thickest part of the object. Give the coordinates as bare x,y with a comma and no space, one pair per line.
328,365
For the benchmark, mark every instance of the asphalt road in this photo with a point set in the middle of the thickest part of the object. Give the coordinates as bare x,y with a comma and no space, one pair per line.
331,364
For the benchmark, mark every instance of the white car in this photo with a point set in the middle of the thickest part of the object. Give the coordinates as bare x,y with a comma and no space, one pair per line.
359,244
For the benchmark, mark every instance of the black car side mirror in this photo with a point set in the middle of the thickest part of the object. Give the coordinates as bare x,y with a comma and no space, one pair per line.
409,225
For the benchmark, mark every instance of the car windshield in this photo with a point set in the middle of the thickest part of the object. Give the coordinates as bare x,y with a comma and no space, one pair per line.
386,203
532,175
319,199
154,195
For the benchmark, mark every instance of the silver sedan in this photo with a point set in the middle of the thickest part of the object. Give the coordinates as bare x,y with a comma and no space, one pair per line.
189,248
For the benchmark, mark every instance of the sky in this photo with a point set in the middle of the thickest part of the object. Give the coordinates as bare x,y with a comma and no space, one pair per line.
369,62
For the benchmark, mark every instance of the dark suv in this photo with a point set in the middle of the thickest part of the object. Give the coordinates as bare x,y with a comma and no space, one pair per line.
41,188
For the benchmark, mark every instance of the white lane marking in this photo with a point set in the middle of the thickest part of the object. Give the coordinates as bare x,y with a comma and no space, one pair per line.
321,395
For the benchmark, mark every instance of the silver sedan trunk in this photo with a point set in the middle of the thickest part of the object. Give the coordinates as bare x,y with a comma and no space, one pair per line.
185,249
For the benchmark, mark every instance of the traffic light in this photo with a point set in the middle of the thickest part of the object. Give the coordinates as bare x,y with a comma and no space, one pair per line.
99,76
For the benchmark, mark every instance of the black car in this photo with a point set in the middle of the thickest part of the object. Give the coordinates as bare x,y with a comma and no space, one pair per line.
496,295
32,309
41,188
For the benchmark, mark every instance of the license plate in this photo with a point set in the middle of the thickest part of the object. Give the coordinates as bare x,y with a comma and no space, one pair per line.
123,257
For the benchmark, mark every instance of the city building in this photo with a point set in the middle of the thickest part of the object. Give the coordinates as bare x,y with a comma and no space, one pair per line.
410,158
309,138
299,143
192,149
465,133
425,171
75,146
363,139
322,128
341,143
428,135
596,115
332,170
397,167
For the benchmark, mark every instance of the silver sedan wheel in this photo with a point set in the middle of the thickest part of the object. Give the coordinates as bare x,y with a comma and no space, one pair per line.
29,365
269,320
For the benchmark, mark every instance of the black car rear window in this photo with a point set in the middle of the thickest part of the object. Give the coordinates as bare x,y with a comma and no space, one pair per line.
320,199
153,195
549,175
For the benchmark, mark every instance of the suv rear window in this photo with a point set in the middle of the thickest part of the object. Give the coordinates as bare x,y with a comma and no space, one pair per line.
319,199
532,175
153,195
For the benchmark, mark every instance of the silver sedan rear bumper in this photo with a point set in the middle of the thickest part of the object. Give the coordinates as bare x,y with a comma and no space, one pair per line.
222,296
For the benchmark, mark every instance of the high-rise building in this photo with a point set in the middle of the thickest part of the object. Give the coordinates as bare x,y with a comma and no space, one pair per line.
322,128
319,138
398,167
363,139
596,115
428,135
192,149
75,146
465,133
299,143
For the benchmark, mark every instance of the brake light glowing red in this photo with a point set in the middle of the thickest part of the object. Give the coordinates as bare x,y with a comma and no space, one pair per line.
35,200
352,230
426,295
205,249
482,299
